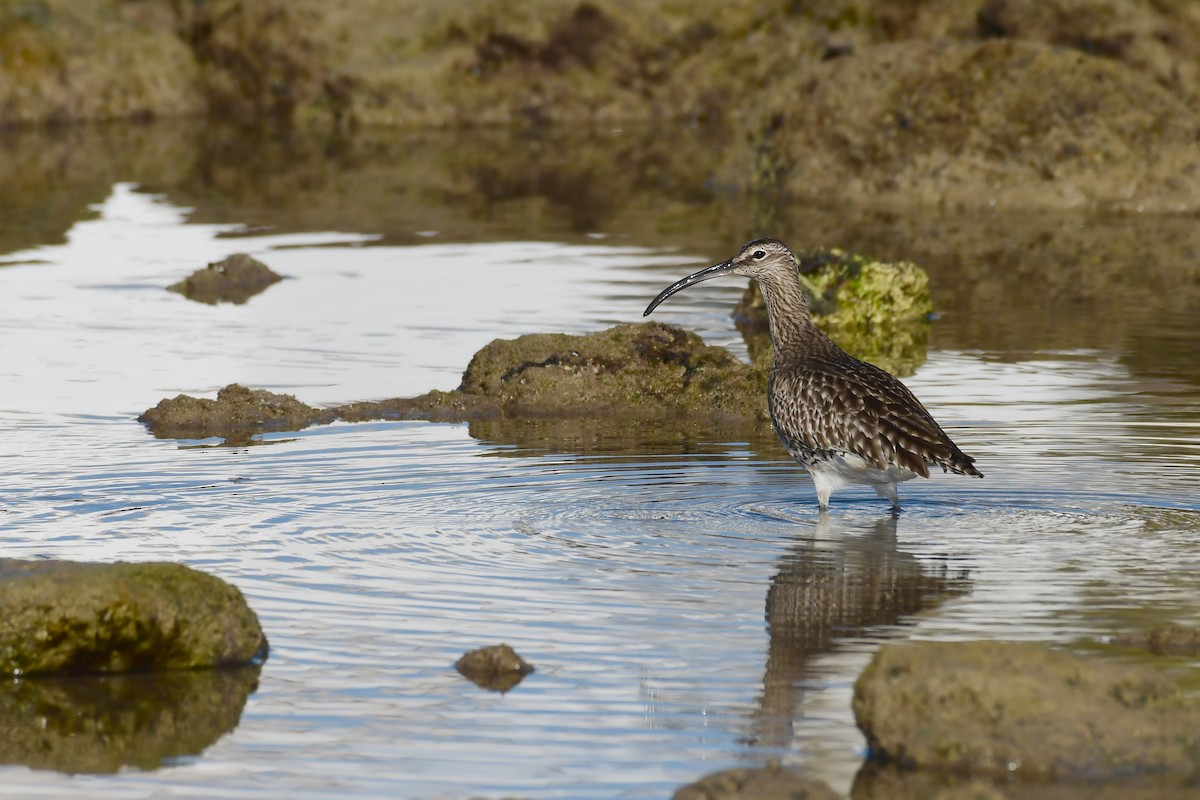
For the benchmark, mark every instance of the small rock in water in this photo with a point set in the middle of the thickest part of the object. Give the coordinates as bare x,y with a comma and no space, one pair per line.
234,280
496,667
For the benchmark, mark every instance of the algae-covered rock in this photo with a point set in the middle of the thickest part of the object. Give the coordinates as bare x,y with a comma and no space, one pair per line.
1023,710
69,617
642,370
496,667
232,280
647,368
235,413
876,311
106,723
772,782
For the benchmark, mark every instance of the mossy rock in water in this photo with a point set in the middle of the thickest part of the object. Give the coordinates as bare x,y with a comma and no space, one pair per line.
646,368
232,280
237,413
635,371
877,311
496,667
68,617
1018,710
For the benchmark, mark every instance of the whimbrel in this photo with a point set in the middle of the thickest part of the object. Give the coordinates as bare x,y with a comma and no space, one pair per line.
844,420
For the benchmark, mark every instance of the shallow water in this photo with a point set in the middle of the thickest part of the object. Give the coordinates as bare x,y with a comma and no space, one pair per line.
686,608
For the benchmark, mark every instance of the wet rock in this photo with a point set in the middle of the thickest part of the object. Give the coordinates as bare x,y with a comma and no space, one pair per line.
997,124
644,370
999,709
876,311
232,280
641,369
236,413
496,667
435,406
772,782
107,723
67,617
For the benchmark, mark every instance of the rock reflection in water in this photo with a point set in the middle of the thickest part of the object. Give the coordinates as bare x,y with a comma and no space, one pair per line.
625,436
828,589
106,724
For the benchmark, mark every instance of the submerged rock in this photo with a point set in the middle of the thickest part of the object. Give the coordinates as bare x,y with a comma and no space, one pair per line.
1000,709
236,413
233,280
68,617
876,311
772,782
496,667
106,723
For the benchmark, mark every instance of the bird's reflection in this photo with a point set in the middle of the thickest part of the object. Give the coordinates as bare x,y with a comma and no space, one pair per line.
838,583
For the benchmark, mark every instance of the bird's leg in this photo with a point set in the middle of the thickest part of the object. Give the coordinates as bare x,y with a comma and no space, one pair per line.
823,492
888,490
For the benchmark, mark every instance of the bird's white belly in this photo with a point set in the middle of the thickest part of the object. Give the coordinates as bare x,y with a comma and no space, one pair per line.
840,469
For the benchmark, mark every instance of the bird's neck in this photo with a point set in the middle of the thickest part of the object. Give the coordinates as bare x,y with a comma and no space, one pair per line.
792,328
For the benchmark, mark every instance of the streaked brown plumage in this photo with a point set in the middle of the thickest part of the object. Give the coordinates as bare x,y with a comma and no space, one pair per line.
845,420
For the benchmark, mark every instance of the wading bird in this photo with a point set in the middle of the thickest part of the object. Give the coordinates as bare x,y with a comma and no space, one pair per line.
844,420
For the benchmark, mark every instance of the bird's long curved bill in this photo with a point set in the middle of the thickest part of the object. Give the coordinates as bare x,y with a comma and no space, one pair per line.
715,271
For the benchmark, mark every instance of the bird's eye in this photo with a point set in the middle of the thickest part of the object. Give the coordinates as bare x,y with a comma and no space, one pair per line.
759,255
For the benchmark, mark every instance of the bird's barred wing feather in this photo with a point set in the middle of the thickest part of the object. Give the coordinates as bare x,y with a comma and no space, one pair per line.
858,408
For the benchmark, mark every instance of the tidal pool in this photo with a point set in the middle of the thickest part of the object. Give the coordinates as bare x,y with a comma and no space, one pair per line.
685,606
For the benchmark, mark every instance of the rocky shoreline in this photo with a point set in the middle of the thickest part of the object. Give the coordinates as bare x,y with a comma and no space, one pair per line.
998,104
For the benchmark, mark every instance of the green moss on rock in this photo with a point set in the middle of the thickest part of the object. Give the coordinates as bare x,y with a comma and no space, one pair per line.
67,617
876,311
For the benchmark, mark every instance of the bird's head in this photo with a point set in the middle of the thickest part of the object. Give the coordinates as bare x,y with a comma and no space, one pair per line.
758,259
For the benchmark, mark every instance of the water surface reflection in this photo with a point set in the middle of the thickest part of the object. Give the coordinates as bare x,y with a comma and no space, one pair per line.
630,564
